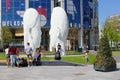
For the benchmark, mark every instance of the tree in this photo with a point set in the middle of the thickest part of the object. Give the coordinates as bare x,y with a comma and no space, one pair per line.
6,35
13,31
111,32
104,60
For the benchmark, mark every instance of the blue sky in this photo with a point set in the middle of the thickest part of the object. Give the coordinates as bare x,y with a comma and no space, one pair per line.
107,8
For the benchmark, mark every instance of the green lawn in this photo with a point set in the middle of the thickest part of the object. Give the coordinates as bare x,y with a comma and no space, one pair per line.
77,59
116,53
67,52
2,56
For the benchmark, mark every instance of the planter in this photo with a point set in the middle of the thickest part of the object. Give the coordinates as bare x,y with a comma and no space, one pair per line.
105,68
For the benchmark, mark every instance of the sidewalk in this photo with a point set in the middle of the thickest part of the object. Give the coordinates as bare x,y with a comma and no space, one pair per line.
2,61
57,73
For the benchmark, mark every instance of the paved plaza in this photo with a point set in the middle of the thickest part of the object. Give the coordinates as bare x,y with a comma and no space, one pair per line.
57,73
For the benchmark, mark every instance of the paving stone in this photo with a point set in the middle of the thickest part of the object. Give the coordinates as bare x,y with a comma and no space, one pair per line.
57,73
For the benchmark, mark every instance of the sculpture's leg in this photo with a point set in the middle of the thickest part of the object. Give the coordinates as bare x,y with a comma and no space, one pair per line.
26,36
35,38
51,49
63,49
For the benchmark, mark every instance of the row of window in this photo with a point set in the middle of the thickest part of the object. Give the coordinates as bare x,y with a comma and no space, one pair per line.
72,7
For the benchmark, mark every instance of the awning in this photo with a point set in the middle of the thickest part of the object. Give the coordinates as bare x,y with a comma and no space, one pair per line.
19,34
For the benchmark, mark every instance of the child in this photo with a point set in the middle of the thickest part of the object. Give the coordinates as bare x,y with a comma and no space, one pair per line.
86,56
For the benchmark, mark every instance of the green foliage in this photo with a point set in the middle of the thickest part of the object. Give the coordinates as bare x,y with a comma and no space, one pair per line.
104,48
111,32
104,56
6,35
105,61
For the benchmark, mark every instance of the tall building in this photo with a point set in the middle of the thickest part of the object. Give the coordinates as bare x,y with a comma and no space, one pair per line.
82,15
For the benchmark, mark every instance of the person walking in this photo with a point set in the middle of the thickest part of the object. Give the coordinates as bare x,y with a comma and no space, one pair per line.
14,53
7,55
29,51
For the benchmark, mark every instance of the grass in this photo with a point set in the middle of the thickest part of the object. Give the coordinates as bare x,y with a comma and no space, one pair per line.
2,56
77,58
116,53
67,52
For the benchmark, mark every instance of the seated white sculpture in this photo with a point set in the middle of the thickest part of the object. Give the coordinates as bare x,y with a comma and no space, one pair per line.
59,29
32,29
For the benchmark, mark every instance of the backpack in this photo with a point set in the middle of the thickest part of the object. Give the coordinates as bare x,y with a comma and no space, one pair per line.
23,62
57,56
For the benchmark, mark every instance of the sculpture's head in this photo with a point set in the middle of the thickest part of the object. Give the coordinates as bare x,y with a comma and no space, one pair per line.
30,18
59,26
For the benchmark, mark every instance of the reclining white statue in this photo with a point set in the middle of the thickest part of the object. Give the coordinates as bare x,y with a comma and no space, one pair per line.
59,29
32,29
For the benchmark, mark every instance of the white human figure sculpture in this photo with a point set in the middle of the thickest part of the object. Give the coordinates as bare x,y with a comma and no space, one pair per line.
32,29
59,29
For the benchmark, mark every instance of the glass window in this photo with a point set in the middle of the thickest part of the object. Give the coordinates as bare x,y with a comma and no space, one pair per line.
44,8
72,8
12,15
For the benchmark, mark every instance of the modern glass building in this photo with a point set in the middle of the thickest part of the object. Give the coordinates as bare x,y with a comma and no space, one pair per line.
82,15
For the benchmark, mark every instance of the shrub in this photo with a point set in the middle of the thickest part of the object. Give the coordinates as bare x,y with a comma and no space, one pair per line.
104,60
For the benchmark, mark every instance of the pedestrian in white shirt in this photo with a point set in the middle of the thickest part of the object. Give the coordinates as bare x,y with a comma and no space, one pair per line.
29,51
7,55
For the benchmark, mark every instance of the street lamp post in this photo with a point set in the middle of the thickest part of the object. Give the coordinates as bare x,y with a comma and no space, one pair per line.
0,25
81,8
80,32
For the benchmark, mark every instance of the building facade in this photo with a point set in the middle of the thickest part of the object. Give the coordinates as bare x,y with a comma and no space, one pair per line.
82,15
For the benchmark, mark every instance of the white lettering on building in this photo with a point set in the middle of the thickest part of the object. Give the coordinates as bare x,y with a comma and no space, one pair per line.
12,23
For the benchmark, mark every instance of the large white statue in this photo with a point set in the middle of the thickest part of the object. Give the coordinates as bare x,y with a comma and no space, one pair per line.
32,29
59,29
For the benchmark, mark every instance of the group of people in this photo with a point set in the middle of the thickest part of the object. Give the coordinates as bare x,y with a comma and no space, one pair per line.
12,55
29,52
